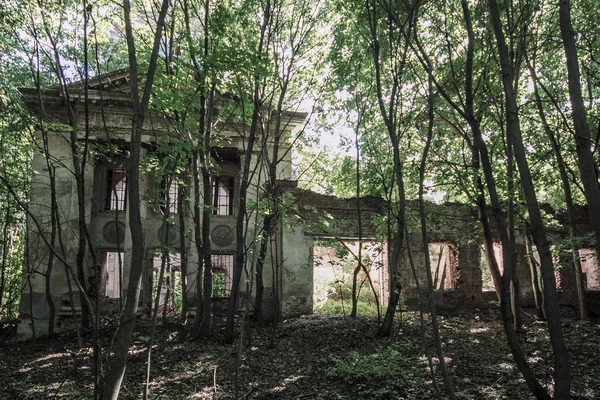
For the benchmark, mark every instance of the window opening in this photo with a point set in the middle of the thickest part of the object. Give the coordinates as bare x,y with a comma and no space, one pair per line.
591,268
116,189
441,258
223,195
334,263
112,268
222,274
170,288
487,281
172,198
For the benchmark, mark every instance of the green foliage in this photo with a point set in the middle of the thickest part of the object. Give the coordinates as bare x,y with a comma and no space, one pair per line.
218,284
333,278
332,307
375,376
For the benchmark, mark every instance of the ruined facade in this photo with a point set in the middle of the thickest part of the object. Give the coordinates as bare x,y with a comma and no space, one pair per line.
455,241
51,274
460,275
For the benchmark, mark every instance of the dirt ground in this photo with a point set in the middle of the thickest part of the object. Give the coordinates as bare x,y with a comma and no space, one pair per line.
310,358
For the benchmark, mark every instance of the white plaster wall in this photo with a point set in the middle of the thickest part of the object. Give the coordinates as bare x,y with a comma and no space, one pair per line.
297,278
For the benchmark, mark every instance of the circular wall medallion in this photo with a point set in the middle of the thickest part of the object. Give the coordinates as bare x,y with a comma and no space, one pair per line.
172,234
114,232
222,235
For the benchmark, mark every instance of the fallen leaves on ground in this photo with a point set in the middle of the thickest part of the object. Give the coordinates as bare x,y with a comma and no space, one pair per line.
307,358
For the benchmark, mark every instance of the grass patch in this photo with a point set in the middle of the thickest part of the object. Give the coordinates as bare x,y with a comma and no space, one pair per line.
374,376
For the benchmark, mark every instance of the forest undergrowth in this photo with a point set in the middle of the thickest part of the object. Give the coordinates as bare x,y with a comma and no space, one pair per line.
313,357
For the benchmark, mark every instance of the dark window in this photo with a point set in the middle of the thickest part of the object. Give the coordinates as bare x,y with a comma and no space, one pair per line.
116,189
223,195
222,274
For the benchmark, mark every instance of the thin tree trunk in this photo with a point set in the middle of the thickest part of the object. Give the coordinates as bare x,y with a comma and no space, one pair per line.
564,177
205,156
561,355
112,385
358,220
183,253
585,157
537,293
515,296
388,113
537,389
260,262
5,250
425,239
207,254
198,242
161,276
240,256
436,386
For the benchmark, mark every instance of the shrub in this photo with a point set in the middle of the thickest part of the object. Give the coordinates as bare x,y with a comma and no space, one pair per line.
374,376
337,308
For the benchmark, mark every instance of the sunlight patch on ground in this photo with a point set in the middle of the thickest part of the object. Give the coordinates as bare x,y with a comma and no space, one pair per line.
42,362
479,330
292,379
534,360
205,393
51,357
506,366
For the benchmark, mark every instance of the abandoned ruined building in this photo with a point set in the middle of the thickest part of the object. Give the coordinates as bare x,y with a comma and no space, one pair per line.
298,239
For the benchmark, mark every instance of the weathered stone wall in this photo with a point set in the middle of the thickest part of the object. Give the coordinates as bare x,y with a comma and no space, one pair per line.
297,274
452,225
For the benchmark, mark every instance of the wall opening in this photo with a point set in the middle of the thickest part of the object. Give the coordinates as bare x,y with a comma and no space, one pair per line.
334,265
169,196
111,275
590,268
442,258
222,275
487,282
115,189
170,296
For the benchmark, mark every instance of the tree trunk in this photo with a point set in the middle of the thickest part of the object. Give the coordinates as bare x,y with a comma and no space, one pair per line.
5,250
515,296
198,242
359,223
207,251
513,341
585,157
537,293
240,256
388,113
184,254
566,185
561,355
116,372
425,239
205,156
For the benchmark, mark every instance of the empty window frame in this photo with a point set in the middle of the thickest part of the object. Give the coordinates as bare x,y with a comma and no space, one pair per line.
112,274
222,275
116,189
169,296
223,195
170,196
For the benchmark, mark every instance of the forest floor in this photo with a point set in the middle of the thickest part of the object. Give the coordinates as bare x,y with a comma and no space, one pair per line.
312,358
